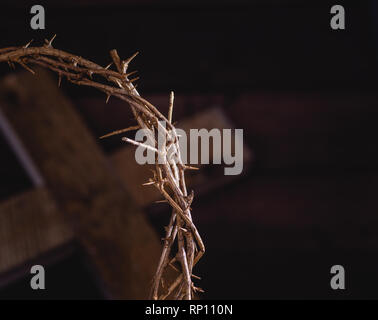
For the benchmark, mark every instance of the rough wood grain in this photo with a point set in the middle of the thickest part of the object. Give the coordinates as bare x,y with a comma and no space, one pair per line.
30,225
115,234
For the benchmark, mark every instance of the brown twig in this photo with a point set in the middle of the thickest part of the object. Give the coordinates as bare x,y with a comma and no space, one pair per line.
168,177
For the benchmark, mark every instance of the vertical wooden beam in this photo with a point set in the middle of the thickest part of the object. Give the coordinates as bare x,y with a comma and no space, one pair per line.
107,223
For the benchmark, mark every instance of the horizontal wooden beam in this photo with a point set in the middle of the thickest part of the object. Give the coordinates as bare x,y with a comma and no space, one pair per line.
30,225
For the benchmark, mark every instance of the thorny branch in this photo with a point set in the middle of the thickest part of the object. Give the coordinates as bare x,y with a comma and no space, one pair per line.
168,176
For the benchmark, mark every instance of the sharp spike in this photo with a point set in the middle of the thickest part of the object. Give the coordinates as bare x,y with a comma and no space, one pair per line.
52,39
49,42
107,98
148,183
190,167
197,289
128,60
119,83
173,267
28,44
119,131
161,201
170,110
26,67
134,79
11,64
131,73
59,80
139,144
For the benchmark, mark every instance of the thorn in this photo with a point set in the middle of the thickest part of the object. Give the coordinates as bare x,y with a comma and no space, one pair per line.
59,80
26,67
196,277
173,267
127,61
134,79
107,98
49,42
52,39
131,73
161,201
11,64
140,144
170,110
190,167
148,183
119,83
108,66
28,44
120,131
197,289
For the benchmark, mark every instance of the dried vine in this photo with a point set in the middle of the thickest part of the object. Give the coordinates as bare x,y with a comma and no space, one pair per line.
168,176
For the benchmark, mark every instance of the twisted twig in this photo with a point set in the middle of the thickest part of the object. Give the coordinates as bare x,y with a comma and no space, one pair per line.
168,177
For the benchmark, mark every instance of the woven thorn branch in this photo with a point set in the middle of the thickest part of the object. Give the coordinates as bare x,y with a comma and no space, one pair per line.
168,175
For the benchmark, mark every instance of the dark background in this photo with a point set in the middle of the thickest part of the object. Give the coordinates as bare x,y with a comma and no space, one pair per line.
306,98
